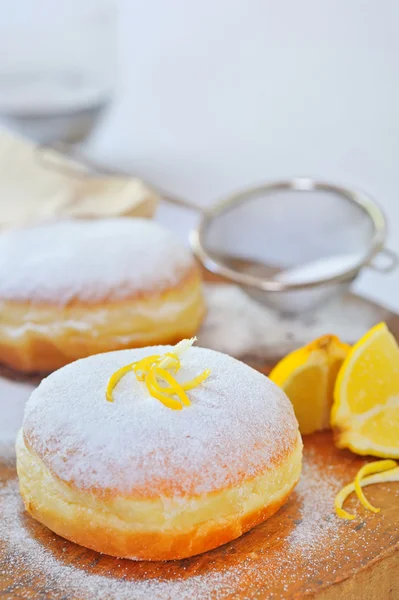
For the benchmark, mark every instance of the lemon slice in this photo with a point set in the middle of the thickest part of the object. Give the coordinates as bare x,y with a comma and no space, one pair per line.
365,412
307,376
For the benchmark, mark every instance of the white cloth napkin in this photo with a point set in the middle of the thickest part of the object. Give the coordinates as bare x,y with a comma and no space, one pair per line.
38,184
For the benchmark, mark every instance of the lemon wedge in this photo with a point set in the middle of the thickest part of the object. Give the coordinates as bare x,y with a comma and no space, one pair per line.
365,412
307,376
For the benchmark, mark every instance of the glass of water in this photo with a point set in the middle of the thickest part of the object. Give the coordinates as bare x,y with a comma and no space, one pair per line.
57,66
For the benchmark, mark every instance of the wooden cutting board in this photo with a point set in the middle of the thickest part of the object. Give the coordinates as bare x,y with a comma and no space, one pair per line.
304,551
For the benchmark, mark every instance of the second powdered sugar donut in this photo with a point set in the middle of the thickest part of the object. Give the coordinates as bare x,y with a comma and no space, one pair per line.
70,289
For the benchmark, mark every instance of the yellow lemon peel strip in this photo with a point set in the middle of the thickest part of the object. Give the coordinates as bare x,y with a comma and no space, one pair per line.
174,385
191,384
166,399
153,369
115,379
381,477
175,359
378,466
141,367
340,499
178,351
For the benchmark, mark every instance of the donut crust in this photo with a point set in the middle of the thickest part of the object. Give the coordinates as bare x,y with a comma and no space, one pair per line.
135,479
42,337
153,529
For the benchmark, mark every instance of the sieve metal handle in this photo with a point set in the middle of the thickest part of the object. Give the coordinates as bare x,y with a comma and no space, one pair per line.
181,202
96,168
390,264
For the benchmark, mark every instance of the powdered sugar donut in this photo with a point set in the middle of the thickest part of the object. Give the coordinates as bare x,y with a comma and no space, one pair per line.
135,479
74,288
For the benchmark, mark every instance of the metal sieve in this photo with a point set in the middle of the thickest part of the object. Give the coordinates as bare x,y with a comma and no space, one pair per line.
295,243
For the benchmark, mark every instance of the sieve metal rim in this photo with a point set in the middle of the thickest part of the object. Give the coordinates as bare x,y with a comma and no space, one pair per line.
298,184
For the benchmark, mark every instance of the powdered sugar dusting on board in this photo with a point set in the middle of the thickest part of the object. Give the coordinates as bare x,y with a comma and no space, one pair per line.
317,550
89,260
240,326
13,397
239,423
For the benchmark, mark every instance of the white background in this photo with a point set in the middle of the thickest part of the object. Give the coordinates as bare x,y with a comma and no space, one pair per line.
217,95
